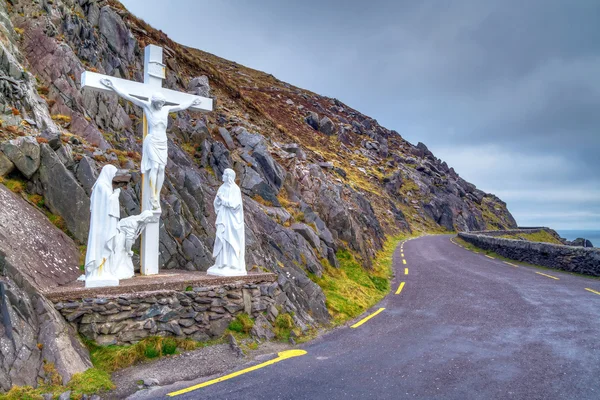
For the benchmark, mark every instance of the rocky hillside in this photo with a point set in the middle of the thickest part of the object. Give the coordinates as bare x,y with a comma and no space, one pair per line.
317,175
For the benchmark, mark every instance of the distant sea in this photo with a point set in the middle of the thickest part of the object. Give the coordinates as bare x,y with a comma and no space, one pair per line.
592,236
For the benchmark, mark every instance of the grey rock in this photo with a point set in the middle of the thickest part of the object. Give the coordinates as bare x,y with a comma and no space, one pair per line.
253,184
117,35
217,327
24,152
262,329
581,242
326,164
331,257
227,138
313,120
327,126
106,340
63,195
65,154
65,396
295,149
307,233
6,166
393,183
272,171
247,139
199,133
151,382
199,86
220,159
233,345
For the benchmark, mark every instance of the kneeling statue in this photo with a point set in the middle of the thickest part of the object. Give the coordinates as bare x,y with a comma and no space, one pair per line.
128,230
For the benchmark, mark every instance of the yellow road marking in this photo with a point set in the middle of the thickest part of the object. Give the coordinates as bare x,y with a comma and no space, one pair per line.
402,254
400,287
405,271
404,262
593,291
362,321
513,265
280,357
549,276
490,257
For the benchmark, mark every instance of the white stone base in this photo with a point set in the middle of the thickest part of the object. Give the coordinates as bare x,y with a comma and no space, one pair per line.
225,271
102,282
150,245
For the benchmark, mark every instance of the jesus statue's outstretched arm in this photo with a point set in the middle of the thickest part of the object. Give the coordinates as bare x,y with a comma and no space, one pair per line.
185,106
138,102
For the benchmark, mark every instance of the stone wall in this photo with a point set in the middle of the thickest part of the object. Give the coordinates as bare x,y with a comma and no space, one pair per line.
199,313
568,258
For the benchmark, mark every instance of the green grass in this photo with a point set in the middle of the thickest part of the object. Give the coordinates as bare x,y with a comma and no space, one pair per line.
352,289
242,324
283,326
89,382
14,185
541,236
112,358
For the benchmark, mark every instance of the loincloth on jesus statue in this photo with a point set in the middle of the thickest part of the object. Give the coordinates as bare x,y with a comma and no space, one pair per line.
155,151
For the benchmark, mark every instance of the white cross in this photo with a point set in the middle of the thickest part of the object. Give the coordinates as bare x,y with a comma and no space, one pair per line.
154,73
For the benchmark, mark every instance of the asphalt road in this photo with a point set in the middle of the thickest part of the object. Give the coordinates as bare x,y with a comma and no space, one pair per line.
464,326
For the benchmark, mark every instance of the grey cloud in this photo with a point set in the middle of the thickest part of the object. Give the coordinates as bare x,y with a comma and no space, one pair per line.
506,91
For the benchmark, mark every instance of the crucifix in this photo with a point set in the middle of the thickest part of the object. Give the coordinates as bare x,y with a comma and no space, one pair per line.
157,102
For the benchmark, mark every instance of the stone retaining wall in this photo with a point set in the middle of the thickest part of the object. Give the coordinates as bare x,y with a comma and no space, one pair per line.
569,258
200,313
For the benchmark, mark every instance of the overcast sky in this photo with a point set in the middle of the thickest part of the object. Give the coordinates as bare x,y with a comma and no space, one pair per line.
507,92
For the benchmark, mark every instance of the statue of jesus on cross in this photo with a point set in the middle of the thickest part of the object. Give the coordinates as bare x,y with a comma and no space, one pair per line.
157,103
154,154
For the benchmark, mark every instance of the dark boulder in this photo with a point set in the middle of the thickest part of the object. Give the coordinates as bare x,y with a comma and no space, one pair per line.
313,120
580,242
63,195
327,126
199,86
116,33
24,152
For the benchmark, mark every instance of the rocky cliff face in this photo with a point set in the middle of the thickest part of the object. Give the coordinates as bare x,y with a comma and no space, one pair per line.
317,175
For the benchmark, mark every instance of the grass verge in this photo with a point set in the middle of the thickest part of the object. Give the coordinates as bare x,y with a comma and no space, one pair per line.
351,289
92,381
112,358
541,236
475,249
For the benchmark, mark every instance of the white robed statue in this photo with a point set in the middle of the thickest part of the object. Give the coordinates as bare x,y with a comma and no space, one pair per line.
104,218
128,230
230,241
155,151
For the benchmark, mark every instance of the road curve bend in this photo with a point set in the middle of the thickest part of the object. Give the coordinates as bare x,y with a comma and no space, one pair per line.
456,325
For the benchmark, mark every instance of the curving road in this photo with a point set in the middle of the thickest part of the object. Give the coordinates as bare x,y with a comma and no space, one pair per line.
464,326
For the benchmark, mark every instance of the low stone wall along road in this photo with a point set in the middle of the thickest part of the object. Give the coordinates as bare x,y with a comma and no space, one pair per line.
456,325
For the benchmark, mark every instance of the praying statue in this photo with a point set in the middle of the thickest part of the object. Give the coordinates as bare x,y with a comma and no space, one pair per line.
128,230
155,151
105,213
230,241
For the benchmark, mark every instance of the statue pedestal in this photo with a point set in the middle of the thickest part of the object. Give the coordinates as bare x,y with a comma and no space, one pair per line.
225,271
149,246
101,282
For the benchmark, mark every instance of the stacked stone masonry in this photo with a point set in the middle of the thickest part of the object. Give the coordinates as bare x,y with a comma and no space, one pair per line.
568,258
198,313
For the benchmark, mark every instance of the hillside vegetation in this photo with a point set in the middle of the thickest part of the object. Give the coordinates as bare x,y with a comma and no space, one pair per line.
325,186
